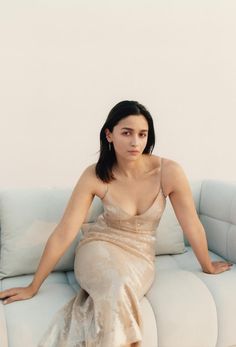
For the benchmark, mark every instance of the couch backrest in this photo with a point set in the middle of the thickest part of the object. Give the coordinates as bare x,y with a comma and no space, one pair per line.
28,216
215,202
217,212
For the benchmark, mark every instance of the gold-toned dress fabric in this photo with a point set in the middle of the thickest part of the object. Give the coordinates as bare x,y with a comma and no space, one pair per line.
114,265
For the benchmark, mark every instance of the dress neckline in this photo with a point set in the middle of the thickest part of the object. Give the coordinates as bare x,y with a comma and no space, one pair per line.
136,215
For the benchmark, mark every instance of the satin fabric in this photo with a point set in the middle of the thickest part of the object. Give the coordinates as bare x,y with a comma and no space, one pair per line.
114,265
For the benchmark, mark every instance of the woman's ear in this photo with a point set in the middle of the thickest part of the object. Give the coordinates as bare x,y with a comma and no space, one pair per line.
108,135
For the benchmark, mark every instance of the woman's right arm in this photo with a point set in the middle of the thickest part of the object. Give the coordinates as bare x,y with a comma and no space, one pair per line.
62,236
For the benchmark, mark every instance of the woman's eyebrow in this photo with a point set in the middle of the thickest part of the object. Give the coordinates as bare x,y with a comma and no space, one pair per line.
133,129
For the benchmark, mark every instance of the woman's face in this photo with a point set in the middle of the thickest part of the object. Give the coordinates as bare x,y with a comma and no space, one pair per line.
129,136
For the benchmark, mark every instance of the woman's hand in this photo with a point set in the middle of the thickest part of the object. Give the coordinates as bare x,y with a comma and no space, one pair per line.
15,294
218,267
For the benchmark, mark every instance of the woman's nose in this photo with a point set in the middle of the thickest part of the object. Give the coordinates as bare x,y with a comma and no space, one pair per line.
134,142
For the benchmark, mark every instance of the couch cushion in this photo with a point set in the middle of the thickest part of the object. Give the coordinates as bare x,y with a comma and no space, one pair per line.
193,308
28,216
170,238
185,310
222,288
27,320
169,234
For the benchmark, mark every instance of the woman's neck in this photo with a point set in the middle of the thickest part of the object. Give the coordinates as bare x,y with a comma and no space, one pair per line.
132,169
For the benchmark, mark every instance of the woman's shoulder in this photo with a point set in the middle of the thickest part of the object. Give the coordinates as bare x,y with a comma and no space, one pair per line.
170,168
90,173
166,163
97,184
172,171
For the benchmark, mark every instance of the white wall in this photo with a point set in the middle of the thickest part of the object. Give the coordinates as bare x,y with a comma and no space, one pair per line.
64,64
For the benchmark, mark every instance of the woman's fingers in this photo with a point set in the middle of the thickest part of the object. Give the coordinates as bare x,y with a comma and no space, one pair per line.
221,266
223,263
7,294
14,294
11,299
224,266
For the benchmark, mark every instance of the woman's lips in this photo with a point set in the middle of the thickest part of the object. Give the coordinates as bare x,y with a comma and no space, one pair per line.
134,152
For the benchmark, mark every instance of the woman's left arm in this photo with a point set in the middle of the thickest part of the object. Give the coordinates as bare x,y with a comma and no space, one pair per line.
183,204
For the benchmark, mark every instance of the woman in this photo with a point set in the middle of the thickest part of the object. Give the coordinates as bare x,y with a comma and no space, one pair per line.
114,262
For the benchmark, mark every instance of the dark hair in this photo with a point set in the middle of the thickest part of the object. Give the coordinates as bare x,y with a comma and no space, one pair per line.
107,157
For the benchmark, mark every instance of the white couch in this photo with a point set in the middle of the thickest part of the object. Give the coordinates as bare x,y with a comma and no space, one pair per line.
185,307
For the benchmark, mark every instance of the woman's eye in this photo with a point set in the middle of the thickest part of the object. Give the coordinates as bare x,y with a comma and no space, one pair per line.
128,133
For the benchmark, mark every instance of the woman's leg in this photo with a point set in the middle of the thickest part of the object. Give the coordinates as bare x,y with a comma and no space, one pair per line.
113,279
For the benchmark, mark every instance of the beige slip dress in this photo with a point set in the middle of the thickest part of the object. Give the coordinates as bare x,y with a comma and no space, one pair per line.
114,266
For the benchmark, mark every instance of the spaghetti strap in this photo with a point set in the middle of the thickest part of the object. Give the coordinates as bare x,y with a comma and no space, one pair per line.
105,192
161,177
161,165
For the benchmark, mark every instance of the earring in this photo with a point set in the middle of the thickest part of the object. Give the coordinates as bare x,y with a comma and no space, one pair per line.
109,144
